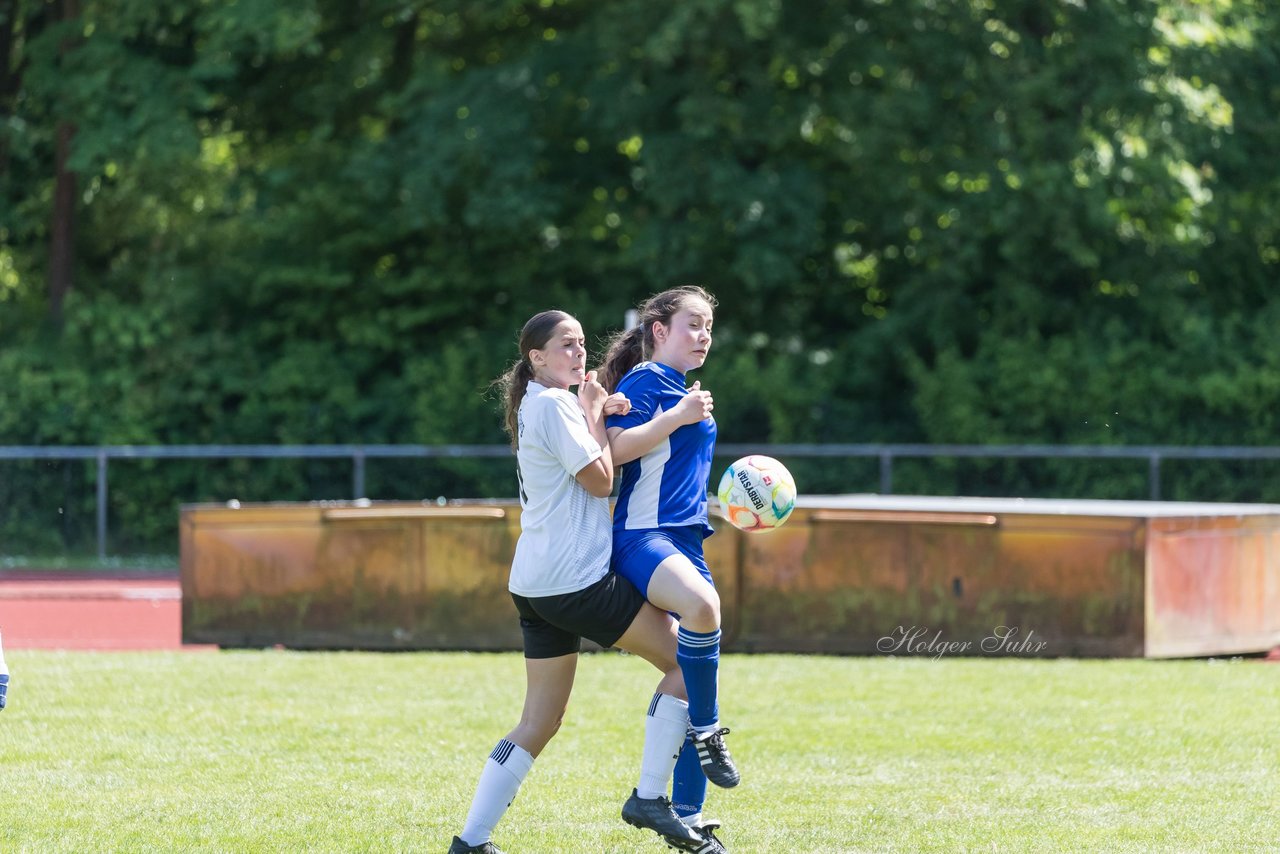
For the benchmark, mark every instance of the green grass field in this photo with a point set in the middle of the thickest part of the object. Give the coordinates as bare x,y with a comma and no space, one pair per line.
283,752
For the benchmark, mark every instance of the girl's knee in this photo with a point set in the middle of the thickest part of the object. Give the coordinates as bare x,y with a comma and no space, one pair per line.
706,611
548,729
535,733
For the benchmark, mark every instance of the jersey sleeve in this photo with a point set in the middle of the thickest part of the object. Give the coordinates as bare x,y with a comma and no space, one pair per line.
568,439
643,390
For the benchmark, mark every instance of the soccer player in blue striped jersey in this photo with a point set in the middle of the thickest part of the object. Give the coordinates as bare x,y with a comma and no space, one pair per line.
665,445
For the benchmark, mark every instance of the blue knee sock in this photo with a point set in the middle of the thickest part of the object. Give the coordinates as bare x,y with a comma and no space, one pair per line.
689,784
698,654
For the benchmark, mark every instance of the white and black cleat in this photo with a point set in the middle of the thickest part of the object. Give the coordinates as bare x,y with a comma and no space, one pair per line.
710,843
717,764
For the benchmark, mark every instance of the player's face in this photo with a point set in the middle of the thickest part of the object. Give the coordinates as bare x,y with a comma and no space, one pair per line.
562,361
684,343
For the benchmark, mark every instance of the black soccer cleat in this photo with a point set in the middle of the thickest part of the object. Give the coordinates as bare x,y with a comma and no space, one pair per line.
460,847
717,764
658,815
710,844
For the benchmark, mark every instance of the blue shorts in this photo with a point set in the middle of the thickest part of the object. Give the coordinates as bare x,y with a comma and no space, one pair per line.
636,554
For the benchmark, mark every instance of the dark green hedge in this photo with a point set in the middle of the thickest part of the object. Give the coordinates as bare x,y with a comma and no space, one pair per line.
324,221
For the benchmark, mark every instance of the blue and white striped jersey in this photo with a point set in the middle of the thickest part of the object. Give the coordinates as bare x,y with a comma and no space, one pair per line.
667,487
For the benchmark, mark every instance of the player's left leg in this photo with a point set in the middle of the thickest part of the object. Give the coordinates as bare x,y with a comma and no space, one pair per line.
652,636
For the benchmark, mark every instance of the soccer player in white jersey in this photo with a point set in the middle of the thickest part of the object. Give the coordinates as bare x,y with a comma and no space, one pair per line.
664,444
562,585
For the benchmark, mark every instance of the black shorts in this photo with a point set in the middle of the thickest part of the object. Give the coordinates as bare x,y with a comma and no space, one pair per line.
555,625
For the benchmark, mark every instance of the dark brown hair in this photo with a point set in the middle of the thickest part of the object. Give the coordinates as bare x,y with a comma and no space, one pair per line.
514,382
632,346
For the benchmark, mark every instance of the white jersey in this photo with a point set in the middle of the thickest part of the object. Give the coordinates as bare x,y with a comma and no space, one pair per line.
565,531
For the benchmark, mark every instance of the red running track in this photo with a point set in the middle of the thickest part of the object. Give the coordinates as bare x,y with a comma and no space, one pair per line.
39,611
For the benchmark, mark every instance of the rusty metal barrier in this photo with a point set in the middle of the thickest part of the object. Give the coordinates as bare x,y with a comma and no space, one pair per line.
900,575
886,454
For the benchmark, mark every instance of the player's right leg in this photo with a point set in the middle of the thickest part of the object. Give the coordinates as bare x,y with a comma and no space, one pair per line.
550,681
551,660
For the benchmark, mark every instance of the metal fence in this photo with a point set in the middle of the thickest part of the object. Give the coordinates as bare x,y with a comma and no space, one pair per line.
1155,455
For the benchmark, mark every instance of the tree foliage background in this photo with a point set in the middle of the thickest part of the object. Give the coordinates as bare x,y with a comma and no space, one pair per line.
324,221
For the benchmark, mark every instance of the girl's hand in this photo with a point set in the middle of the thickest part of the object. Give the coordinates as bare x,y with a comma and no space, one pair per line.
695,406
617,404
592,397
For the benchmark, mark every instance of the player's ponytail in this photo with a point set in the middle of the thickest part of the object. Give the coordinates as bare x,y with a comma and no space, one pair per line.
626,350
630,348
514,382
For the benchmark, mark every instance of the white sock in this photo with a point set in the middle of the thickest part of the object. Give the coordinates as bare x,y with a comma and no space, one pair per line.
664,731
503,773
692,820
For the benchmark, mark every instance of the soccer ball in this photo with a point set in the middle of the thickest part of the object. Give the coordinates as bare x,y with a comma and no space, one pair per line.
757,493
